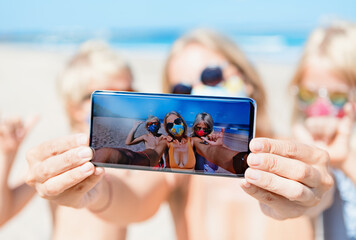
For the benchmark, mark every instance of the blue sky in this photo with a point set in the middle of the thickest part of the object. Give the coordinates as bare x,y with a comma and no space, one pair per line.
223,112
106,15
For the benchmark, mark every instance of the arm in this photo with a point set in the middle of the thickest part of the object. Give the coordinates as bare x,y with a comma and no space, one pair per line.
217,154
131,140
11,200
12,133
73,181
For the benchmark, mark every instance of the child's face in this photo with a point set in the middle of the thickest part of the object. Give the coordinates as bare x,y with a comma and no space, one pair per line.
322,93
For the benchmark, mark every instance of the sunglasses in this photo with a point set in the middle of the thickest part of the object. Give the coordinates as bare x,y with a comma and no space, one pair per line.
206,130
177,121
210,76
308,97
152,123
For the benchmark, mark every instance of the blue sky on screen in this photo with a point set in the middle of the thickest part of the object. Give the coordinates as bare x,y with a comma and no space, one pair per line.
223,111
107,15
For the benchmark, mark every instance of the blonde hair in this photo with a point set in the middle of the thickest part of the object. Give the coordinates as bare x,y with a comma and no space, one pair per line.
95,61
217,42
184,135
334,48
205,118
151,119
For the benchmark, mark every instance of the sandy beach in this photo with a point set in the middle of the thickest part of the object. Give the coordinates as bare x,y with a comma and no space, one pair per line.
28,86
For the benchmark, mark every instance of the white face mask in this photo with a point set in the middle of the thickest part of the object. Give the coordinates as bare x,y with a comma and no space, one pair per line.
232,87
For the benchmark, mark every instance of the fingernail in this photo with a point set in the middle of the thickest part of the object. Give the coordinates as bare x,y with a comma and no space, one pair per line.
253,160
87,167
252,174
85,153
257,146
82,139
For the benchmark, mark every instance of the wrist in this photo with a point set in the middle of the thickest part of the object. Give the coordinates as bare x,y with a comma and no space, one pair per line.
104,196
7,158
5,167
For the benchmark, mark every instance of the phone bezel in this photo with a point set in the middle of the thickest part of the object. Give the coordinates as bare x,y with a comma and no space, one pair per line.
177,96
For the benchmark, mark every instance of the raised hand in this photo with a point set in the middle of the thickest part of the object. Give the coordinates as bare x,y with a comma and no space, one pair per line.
215,138
12,133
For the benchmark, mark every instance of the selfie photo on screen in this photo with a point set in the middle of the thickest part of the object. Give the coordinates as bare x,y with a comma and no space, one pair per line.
172,132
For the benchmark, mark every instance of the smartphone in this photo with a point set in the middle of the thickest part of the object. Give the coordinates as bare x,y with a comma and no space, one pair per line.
171,132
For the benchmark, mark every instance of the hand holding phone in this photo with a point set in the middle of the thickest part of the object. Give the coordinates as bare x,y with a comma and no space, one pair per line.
289,178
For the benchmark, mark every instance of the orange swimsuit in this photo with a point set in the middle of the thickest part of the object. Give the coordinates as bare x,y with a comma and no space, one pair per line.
188,152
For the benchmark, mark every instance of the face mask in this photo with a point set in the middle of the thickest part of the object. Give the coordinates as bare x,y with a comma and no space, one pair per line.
177,130
322,107
200,133
153,128
232,87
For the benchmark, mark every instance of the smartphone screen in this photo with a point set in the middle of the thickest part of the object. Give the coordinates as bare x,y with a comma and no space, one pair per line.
172,133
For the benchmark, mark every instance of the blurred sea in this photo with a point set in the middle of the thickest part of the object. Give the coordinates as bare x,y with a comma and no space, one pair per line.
273,46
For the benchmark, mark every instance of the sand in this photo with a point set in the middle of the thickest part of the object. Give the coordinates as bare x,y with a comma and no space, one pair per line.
27,83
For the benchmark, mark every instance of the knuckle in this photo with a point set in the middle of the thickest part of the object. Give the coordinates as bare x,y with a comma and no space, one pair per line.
272,163
321,155
71,157
74,177
32,175
298,194
42,172
328,181
68,158
30,180
42,194
325,156
50,190
291,149
267,183
302,173
273,147
53,149
31,155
